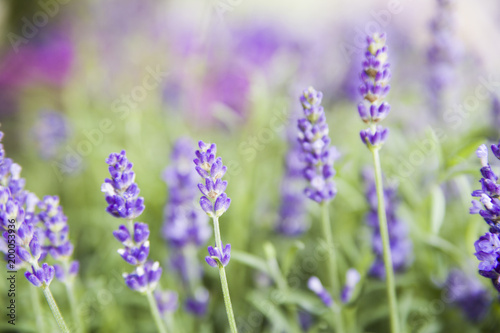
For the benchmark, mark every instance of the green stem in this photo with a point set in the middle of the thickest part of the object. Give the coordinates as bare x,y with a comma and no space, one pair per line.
223,280
55,310
384,233
332,266
35,299
155,312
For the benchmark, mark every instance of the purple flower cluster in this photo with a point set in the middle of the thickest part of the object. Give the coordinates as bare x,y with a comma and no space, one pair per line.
443,53
214,200
317,153
122,193
292,220
375,76
122,196
185,228
400,244
468,294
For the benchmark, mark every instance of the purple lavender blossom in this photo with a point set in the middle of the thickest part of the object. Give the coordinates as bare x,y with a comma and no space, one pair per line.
315,285
185,228
198,303
122,193
214,200
50,132
468,294
317,153
400,244
57,233
352,278
292,220
375,76
122,196
443,54
488,205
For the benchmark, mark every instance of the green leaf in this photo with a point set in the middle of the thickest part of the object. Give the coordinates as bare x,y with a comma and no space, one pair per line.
270,310
438,209
250,260
291,254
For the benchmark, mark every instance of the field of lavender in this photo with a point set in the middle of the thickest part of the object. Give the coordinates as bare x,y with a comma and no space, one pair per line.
249,166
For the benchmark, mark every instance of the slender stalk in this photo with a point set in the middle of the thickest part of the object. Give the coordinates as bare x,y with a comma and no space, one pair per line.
332,265
55,310
384,233
223,280
155,312
40,324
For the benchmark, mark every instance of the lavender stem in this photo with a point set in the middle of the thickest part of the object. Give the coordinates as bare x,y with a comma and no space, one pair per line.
384,233
55,310
223,280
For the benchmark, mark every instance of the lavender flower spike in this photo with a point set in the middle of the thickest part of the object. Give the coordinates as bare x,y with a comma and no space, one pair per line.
375,77
215,202
317,153
122,196
352,278
185,227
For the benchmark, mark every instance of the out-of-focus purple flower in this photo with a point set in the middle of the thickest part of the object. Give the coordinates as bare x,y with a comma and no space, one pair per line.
400,244
315,285
375,76
50,132
495,111
468,294
443,54
317,153
167,300
351,280
292,220
122,193
198,303
57,233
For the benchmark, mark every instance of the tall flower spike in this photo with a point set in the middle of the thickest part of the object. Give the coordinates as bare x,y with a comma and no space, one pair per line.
185,227
317,153
215,202
122,196
375,76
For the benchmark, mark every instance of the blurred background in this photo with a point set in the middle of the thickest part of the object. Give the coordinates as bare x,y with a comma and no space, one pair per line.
82,79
